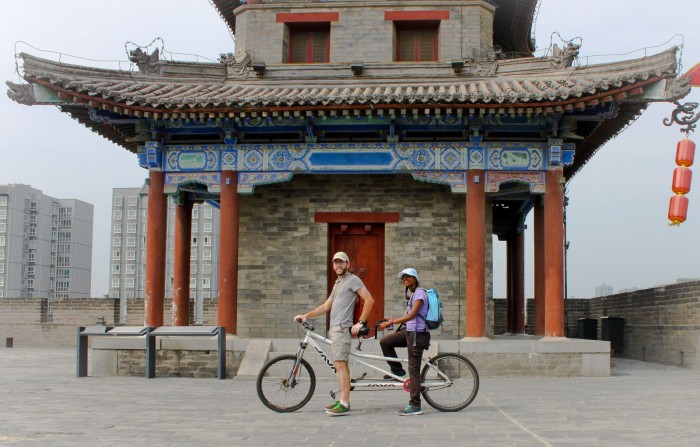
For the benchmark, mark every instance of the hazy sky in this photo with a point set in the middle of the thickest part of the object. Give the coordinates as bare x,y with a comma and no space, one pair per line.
617,225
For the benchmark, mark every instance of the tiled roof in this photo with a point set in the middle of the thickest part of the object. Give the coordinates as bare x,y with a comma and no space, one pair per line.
187,87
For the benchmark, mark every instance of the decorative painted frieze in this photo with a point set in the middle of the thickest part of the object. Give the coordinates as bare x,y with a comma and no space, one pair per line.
257,164
535,180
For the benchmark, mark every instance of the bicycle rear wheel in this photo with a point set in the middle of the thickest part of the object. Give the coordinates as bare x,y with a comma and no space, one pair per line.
282,391
455,391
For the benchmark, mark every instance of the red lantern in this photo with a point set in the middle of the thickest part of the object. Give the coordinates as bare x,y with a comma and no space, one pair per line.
681,180
678,209
685,153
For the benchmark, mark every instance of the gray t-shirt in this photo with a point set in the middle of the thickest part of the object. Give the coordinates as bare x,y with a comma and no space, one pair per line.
344,296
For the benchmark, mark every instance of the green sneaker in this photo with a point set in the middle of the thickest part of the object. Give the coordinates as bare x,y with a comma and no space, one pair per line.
338,410
328,407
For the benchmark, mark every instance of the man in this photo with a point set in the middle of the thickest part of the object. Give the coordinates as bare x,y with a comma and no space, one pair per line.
341,304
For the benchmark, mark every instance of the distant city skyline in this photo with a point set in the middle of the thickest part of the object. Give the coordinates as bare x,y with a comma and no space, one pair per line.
616,218
45,245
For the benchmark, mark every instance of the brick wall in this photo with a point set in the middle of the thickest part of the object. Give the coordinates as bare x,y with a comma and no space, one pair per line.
470,25
28,322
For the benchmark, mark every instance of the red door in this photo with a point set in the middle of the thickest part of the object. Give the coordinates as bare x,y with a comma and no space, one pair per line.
364,244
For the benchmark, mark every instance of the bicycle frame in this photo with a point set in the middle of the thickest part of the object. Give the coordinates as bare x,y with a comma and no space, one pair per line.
362,384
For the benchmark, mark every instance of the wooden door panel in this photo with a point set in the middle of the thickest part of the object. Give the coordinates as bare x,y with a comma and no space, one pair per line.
364,244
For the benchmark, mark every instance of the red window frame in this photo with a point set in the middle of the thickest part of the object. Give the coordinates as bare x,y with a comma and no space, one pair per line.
310,31
416,30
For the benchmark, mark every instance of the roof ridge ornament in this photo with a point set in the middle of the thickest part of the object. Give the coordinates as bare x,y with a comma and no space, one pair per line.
482,62
21,93
147,63
237,64
564,58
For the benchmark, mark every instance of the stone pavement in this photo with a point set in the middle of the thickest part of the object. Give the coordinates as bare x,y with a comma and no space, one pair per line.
42,403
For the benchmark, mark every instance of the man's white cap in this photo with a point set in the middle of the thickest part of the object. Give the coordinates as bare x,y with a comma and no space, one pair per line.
409,272
342,256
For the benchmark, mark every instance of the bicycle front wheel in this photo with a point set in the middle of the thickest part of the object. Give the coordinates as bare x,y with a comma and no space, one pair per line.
284,386
454,387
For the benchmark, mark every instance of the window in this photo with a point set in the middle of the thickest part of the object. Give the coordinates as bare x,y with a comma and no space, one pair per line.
129,283
132,201
195,227
116,242
30,283
131,214
131,255
3,200
206,255
193,255
116,255
116,268
2,281
206,283
208,212
130,269
193,268
117,229
206,269
131,242
115,283
131,228
2,253
207,227
3,214
193,283
31,256
2,268
2,241
417,41
195,212
207,241
118,200
309,43
117,214
3,227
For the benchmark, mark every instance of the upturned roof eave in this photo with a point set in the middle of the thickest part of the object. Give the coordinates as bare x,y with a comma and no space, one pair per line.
136,93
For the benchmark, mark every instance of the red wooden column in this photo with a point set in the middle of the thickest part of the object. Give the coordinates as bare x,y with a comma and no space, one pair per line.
539,268
476,248
516,284
554,254
156,232
228,252
181,268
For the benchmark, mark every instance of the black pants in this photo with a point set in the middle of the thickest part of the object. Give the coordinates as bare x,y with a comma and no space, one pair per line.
416,343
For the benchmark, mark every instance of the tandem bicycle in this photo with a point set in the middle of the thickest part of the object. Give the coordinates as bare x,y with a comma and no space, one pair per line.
449,381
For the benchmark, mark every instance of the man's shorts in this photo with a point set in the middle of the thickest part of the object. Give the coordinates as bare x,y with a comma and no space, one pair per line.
340,346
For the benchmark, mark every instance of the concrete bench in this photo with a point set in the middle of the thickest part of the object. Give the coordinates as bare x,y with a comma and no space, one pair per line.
185,331
100,330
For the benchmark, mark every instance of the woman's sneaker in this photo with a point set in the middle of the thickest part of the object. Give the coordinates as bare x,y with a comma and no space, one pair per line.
410,410
338,410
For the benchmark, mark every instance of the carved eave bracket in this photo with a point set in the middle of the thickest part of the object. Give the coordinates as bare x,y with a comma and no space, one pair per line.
21,93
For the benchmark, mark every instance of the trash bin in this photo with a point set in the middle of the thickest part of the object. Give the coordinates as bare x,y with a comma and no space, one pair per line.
612,329
587,328
9,342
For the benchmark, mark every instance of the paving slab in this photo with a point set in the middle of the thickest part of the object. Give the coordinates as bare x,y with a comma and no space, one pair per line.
42,403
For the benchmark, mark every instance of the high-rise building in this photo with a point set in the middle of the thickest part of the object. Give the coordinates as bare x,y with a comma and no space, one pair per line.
45,245
127,277
603,290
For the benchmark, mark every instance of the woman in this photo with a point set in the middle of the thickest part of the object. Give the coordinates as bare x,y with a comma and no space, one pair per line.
415,338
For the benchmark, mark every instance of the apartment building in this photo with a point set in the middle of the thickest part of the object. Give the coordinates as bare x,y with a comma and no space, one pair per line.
45,245
127,277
